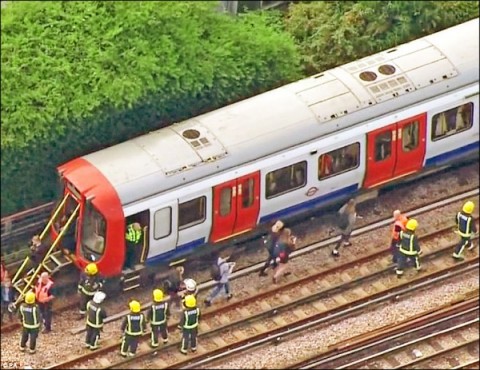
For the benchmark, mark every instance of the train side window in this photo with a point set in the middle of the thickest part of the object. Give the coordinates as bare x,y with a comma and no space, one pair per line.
452,121
383,146
225,201
248,193
191,213
339,160
162,220
286,179
410,136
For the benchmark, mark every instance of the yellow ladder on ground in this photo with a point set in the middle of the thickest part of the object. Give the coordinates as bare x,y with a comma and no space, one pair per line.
52,261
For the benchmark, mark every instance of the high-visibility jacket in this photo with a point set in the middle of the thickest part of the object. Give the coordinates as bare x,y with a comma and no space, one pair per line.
96,315
158,313
190,318
399,225
42,291
134,324
409,243
466,225
30,315
133,235
89,285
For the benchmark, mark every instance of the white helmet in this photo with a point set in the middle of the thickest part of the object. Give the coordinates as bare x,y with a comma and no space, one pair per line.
99,297
190,284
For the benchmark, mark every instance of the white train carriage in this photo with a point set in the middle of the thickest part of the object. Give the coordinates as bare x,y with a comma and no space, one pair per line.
306,144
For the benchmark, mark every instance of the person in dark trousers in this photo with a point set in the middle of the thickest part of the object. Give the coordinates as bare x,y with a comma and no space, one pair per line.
7,292
172,285
96,316
133,326
222,276
465,229
158,315
44,297
38,251
30,318
272,247
90,283
287,243
399,223
346,222
409,248
133,237
189,324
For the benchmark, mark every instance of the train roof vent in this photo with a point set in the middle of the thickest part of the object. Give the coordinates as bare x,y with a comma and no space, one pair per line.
206,145
330,99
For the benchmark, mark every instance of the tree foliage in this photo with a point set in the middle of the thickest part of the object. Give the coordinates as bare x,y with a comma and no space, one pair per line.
79,76
332,33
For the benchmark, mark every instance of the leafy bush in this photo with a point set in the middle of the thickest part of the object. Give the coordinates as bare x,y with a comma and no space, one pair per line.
334,33
79,76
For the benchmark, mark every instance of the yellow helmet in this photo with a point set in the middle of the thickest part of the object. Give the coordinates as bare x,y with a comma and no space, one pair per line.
30,297
134,306
91,268
468,207
411,225
190,301
157,295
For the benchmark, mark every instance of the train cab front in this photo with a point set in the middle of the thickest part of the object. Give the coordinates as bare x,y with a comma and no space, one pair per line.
88,221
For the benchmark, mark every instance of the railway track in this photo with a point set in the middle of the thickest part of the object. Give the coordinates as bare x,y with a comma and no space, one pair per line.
261,318
443,336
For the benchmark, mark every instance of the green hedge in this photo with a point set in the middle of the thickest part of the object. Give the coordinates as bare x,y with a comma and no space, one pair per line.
334,33
79,76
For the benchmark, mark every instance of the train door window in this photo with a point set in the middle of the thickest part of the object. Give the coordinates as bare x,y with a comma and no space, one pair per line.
383,146
225,201
339,160
191,213
452,121
162,220
93,230
286,179
410,136
248,193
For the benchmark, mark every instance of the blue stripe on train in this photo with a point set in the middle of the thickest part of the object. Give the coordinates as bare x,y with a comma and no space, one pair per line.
452,155
327,198
178,252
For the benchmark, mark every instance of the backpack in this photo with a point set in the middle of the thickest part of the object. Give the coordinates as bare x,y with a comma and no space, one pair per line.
343,221
215,273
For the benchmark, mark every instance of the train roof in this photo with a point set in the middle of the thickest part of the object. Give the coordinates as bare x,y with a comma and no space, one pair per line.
293,114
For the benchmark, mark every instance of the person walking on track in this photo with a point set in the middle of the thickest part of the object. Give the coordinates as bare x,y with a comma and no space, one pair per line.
409,247
221,274
189,324
466,229
30,316
346,222
272,246
158,315
133,326
96,316
399,223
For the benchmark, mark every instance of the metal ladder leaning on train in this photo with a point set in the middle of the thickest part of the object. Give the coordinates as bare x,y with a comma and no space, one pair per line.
155,201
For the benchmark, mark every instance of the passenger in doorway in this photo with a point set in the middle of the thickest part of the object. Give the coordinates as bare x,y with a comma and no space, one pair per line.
68,238
346,222
133,238
272,246
38,251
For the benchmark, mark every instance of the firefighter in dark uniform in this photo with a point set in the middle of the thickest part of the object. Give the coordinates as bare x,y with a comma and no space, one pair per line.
30,316
132,237
158,315
96,316
189,324
133,326
409,247
466,229
90,283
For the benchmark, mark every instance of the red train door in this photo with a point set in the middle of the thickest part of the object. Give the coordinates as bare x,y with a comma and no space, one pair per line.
395,150
236,204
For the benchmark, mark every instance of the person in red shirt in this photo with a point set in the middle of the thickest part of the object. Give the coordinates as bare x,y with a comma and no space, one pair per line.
399,223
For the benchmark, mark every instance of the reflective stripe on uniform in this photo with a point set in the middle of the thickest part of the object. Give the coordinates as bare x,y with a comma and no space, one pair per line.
154,315
36,323
97,317
193,325
133,235
467,233
129,327
410,251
